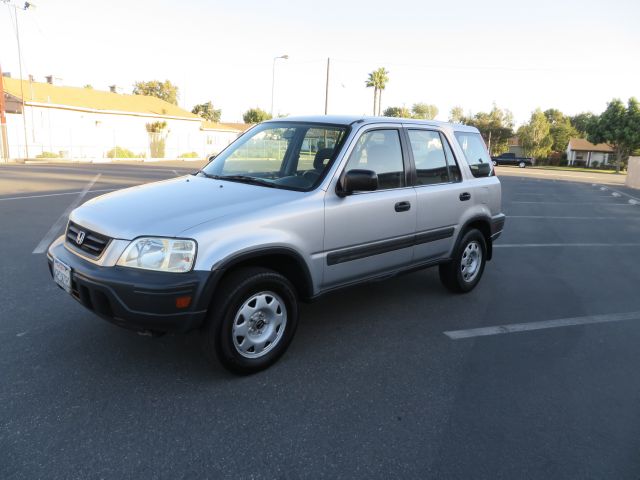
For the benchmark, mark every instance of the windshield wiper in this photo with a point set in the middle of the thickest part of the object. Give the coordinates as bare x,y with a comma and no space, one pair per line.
247,179
208,175
239,178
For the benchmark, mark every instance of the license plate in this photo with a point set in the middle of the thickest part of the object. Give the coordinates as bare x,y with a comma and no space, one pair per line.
62,274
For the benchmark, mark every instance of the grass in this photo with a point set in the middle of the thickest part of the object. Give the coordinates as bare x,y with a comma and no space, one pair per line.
575,169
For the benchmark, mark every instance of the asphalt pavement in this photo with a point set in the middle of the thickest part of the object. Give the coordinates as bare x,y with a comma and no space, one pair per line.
373,386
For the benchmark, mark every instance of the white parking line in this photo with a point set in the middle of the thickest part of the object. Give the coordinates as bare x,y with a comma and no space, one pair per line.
572,203
56,194
524,327
55,228
625,217
633,200
177,174
546,245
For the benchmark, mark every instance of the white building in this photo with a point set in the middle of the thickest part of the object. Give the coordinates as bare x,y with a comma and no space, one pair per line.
581,152
83,123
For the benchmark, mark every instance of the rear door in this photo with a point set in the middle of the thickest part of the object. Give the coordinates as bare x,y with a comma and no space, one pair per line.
369,233
441,195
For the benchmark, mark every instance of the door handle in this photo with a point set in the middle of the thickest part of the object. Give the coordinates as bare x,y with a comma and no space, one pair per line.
465,196
403,206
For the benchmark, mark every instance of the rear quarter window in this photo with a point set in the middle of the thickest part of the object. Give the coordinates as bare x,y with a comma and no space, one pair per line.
475,152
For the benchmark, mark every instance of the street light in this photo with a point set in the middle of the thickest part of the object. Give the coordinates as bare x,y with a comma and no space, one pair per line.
273,78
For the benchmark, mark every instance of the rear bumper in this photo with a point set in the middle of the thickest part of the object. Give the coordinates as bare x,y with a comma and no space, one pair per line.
497,225
138,299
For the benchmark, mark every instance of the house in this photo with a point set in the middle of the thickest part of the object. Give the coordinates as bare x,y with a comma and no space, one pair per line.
515,147
581,152
83,123
219,135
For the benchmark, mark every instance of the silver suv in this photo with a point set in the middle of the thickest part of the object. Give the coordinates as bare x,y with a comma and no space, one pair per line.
292,210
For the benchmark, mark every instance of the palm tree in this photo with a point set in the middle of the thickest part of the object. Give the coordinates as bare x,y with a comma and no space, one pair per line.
378,80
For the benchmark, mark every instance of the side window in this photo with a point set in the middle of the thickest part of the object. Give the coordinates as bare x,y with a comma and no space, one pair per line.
454,170
475,153
429,156
380,151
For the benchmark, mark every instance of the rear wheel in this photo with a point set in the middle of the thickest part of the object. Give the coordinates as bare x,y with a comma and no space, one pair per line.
522,164
464,271
252,320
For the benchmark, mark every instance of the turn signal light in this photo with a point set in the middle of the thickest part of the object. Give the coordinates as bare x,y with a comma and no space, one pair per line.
183,302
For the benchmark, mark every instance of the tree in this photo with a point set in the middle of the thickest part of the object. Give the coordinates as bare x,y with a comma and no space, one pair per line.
255,115
88,86
496,127
424,111
400,112
582,122
561,130
619,126
456,115
206,111
163,90
535,136
378,80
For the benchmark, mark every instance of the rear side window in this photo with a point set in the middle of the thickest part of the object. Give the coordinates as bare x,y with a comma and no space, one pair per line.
475,153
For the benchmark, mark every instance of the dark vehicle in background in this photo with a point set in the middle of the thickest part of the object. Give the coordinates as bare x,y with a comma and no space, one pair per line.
511,159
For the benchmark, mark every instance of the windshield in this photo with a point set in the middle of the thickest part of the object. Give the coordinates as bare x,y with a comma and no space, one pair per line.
287,155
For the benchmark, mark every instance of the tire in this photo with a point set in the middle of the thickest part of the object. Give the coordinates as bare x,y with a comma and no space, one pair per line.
495,164
252,320
522,164
471,255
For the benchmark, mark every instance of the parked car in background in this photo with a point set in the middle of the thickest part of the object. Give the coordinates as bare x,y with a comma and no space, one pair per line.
511,159
290,211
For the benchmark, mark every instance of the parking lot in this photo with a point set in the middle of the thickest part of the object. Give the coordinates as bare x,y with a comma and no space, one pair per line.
535,374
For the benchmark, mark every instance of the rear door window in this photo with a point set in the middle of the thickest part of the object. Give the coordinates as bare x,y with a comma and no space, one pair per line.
429,157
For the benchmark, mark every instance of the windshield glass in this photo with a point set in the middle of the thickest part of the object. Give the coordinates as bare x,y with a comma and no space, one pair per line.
287,155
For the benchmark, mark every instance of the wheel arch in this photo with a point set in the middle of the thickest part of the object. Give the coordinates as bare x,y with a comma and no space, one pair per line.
481,223
285,261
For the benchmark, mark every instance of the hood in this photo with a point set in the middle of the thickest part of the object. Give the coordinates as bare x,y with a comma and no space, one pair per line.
169,207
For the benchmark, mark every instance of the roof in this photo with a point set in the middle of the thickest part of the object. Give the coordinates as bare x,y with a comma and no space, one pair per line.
583,145
351,119
227,127
45,94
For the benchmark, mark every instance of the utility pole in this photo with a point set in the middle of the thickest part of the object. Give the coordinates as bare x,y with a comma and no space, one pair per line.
326,92
3,122
24,113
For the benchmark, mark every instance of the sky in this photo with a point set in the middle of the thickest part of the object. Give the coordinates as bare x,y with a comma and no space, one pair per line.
571,55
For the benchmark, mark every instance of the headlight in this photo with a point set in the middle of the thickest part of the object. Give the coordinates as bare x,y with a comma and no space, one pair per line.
161,254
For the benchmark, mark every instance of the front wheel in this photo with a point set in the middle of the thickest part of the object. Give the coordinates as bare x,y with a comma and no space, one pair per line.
464,271
252,320
522,164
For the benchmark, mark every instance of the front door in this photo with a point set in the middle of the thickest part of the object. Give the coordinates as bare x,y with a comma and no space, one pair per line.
369,233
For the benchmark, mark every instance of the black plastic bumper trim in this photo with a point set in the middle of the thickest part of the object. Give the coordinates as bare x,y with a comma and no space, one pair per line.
363,251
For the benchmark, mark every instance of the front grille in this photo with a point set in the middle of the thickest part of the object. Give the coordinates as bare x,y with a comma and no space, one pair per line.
93,243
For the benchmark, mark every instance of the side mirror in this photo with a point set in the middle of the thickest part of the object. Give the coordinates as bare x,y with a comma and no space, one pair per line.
481,169
358,181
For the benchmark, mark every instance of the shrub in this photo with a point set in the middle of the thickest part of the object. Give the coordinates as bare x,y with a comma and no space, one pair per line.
120,152
595,164
189,155
48,155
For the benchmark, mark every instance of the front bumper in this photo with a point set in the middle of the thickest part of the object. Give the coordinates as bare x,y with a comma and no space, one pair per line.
138,299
